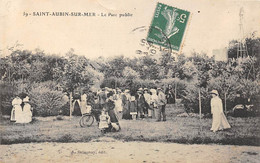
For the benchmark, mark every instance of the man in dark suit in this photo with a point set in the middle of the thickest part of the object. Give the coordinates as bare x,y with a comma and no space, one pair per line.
140,103
102,98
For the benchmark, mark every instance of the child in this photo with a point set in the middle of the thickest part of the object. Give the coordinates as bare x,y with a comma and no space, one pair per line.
104,121
133,107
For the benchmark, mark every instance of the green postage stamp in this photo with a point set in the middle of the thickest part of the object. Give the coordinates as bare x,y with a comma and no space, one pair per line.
168,26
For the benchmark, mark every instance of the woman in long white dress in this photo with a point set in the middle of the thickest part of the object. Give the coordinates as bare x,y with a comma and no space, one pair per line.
27,111
17,109
219,120
83,103
118,104
147,98
153,103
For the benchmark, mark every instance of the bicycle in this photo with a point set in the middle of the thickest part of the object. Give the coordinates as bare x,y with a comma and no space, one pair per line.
88,117
86,120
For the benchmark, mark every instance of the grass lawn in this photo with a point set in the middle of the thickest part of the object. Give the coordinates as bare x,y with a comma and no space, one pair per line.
244,131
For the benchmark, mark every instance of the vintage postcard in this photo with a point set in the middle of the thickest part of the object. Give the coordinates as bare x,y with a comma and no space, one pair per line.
129,81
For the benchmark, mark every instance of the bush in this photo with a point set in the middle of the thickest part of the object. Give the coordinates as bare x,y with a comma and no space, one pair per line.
190,98
7,94
113,82
45,100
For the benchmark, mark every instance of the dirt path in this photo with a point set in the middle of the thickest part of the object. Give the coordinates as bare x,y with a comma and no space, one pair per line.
110,150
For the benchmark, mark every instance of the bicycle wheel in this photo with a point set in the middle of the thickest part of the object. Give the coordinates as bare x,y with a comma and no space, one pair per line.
86,120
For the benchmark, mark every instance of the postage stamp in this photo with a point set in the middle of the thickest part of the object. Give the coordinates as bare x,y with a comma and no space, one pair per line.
168,26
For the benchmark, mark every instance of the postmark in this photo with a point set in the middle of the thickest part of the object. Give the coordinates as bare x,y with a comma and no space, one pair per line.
168,26
150,47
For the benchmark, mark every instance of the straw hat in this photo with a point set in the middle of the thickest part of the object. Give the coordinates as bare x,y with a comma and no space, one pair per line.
153,91
214,92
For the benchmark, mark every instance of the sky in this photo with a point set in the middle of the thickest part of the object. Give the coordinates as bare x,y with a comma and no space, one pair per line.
212,25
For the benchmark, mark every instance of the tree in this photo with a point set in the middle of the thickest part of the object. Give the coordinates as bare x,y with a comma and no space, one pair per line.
131,74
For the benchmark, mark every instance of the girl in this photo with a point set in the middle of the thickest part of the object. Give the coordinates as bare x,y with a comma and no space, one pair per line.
104,122
133,107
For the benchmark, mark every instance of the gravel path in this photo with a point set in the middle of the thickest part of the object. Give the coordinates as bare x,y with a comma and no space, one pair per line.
110,150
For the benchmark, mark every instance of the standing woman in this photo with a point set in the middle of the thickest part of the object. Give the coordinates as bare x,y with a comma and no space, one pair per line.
153,103
118,103
147,97
27,111
126,104
17,109
83,103
110,106
219,120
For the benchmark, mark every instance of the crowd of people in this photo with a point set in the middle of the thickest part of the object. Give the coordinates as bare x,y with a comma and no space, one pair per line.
151,103
144,103
111,105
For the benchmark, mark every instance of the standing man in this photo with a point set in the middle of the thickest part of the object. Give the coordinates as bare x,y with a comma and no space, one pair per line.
140,103
147,98
102,96
161,105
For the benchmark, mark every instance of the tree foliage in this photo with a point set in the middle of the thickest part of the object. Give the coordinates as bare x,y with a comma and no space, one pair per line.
22,70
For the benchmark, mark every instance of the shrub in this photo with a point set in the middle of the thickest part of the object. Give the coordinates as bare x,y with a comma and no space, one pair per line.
45,100
190,98
7,94
113,82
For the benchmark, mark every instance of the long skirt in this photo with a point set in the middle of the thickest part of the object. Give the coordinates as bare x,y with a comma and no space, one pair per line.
126,112
19,116
151,112
13,115
113,116
27,115
118,105
76,111
219,122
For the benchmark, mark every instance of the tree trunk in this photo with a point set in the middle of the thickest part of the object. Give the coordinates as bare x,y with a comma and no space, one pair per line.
70,104
175,93
200,108
199,103
225,101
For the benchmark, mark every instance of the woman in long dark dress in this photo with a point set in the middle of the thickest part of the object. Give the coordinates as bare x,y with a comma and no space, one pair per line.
126,105
110,106
170,95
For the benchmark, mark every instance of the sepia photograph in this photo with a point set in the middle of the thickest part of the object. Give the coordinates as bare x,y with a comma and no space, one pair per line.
130,81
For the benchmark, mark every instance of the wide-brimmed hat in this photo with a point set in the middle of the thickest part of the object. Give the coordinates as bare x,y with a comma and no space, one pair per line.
159,89
26,99
153,90
214,92
140,89
127,91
